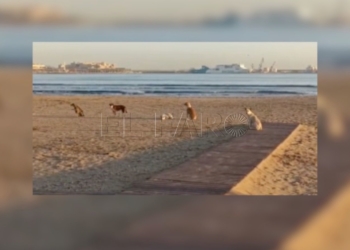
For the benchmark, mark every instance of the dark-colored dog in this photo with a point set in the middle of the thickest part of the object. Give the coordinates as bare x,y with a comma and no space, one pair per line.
77,109
116,108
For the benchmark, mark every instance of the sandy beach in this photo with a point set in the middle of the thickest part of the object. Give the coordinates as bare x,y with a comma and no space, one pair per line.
70,156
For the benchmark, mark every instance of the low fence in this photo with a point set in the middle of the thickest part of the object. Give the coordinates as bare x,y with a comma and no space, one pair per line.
127,125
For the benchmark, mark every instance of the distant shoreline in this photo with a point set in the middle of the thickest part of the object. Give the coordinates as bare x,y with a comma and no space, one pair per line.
168,72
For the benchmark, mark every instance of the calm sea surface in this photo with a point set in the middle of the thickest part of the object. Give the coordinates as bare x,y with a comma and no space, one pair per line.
176,84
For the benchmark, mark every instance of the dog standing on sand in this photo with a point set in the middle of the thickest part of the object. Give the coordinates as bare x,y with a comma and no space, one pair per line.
116,108
77,109
190,111
254,122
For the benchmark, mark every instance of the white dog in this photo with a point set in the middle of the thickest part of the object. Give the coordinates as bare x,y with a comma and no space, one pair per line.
254,122
166,116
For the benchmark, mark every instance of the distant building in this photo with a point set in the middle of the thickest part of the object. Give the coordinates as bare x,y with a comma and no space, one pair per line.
311,69
39,66
227,20
228,69
273,70
79,66
279,17
62,67
202,70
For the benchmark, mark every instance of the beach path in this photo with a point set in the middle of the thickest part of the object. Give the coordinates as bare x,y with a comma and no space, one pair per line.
220,168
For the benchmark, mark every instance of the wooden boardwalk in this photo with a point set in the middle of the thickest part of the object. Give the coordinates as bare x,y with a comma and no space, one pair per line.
220,168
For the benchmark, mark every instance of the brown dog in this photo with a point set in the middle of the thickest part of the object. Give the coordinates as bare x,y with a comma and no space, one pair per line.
77,109
190,111
116,108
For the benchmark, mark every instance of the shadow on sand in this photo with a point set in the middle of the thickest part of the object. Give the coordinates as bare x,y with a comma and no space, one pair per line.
114,176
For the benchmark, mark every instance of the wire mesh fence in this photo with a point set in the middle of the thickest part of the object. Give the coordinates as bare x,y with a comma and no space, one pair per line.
136,125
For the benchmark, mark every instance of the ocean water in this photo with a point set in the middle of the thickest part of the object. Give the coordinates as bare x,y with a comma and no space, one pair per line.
176,84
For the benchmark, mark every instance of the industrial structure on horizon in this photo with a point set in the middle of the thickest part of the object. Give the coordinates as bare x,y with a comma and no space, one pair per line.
103,67
241,68
79,67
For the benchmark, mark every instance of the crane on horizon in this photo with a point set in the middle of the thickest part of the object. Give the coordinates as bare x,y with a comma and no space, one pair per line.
271,68
261,64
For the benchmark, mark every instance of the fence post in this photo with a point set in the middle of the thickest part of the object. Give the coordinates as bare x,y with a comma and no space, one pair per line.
107,124
155,124
178,124
123,125
201,124
101,126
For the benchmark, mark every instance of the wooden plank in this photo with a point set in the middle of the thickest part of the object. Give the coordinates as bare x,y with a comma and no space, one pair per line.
218,169
157,186
248,146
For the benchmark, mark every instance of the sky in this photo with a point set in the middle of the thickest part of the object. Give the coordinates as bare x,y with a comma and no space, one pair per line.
125,10
177,55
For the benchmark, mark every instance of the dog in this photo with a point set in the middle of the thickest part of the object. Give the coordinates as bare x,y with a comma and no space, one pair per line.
254,122
77,109
116,108
190,111
166,116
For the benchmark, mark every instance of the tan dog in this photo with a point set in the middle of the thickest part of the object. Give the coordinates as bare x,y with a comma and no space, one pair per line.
77,109
116,108
254,122
190,111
